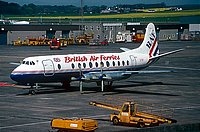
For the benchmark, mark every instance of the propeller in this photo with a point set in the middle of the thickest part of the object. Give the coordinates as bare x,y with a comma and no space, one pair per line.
80,78
101,77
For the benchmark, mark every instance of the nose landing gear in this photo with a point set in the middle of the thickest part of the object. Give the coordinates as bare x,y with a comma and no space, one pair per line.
33,89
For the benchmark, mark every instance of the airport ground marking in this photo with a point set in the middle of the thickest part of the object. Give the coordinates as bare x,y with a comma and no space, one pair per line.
179,68
28,124
5,84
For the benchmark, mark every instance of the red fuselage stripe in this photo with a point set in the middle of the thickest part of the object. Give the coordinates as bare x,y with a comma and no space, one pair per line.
154,43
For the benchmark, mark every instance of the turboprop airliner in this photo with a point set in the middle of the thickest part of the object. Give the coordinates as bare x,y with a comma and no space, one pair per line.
102,68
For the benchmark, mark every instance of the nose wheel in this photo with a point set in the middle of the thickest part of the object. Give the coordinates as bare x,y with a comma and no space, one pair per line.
32,92
33,89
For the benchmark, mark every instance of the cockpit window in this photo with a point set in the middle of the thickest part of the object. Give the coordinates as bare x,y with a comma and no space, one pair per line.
27,63
33,62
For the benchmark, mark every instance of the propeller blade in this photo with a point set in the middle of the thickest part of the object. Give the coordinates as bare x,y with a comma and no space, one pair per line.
102,82
81,86
102,85
81,75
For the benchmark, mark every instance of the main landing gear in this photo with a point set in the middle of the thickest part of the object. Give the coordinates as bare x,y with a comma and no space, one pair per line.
105,85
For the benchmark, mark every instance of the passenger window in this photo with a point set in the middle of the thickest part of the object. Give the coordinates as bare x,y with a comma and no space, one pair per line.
79,65
73,65
84,65
90,64
59,66
118,63
113,63
123,63
127,62
107,64
96,64
101,64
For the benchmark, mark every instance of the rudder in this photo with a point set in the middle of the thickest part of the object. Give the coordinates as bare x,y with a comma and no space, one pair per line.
149,44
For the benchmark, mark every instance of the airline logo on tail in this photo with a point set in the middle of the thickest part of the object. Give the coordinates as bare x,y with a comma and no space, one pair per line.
152,45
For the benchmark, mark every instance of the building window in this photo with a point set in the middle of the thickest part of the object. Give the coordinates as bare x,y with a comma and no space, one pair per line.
98,27
105,36
91,27
98,36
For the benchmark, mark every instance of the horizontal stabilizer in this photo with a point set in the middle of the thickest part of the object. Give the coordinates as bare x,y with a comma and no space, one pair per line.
165,54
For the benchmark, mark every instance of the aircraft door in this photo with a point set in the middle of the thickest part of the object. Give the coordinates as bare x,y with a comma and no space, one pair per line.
49,69
133,60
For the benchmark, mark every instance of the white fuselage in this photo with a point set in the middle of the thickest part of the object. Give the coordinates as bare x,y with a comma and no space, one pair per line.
59,68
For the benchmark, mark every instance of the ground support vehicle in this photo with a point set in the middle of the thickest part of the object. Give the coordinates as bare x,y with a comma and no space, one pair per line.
32,42
55,44
96,42
138,37
128,114
74,125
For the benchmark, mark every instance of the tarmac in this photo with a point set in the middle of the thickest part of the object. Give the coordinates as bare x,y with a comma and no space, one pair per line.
175,95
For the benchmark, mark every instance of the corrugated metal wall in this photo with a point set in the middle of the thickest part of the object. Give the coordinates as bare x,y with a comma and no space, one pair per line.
169,34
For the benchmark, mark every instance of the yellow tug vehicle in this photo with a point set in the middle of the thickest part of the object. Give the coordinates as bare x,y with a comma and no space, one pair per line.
128,114
74,125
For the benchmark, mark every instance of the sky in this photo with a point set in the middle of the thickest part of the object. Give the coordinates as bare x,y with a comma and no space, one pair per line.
102,2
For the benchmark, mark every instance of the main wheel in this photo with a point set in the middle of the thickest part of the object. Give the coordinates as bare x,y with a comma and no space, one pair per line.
115,121
141,124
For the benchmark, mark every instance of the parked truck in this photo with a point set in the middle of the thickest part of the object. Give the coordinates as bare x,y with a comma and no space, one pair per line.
128,114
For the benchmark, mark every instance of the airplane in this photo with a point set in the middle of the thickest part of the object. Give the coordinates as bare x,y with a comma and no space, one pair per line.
102,68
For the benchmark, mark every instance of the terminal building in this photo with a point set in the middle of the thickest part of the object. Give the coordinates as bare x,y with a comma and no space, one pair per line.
110,31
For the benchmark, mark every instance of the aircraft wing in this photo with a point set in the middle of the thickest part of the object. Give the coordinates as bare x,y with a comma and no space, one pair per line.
114,75
165,54
147,72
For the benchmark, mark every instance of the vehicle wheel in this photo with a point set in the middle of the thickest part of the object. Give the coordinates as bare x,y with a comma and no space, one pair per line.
115,121
141,124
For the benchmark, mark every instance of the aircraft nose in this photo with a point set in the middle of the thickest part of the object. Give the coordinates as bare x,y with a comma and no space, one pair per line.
14,76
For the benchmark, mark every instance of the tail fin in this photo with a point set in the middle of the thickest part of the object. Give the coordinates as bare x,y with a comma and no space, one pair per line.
149,45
